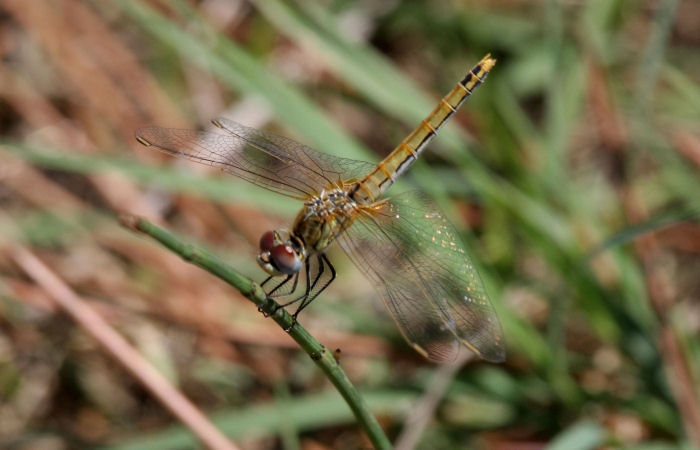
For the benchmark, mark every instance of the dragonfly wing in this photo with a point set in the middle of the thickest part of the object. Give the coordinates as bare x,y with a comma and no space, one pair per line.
414,257
322,165
264,159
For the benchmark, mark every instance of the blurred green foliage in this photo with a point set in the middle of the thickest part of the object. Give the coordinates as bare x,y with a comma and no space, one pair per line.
576,125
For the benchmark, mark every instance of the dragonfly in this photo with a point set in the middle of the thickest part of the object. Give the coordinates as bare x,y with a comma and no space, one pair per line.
403,244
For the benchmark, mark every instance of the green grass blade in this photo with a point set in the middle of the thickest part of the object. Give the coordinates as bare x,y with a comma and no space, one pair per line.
582,436
167,178
240,71
311,412
656,223
375,78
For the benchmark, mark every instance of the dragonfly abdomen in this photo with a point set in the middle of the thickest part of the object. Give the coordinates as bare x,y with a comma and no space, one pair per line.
375,183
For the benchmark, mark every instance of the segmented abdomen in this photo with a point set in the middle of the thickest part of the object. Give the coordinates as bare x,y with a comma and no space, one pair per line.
373,185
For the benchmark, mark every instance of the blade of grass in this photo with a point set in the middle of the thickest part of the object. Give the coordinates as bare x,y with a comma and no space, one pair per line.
681,380
581,436
240,71
305,413
688,91
652,60
170,179
655,223
122,351
367,71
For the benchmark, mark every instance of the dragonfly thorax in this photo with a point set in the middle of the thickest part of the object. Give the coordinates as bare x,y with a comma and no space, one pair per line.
323,217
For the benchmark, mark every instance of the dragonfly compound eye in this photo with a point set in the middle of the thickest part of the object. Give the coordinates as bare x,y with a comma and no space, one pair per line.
285,259
267,241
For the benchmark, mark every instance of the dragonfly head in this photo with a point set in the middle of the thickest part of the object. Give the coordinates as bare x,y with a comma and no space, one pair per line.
279,256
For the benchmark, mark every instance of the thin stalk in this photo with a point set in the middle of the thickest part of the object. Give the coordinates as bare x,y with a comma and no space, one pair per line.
251,290
653,57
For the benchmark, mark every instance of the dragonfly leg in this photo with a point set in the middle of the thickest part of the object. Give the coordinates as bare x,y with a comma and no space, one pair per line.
266,280
307,266
279,285
282,283
309,289
294,288
321,268
322,258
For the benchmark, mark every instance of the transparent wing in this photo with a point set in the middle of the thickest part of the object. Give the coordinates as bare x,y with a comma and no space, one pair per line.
414,257
264,159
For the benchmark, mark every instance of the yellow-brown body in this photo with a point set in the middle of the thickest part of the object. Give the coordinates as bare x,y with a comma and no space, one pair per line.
402,244
374,184
323,218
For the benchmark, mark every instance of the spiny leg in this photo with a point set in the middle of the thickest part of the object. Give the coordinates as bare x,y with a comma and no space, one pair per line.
261,306
309,289
321,266
308,299
266,280
294,288
294,285
282,283
306,293
272,291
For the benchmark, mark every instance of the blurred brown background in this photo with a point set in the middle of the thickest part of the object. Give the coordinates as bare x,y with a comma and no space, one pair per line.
572,173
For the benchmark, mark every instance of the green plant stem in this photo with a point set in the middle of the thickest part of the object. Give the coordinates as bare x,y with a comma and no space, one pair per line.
251,290
656,46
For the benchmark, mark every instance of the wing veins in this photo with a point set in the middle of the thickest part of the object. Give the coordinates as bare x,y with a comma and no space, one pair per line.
228,165
444,314
279,155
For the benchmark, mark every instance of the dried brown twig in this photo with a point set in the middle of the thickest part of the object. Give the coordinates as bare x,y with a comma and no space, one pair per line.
122,351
